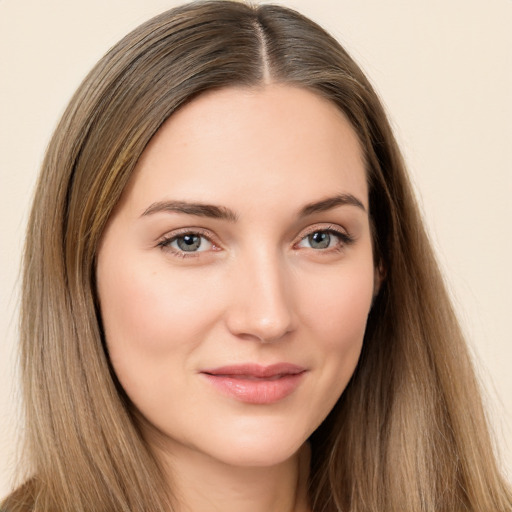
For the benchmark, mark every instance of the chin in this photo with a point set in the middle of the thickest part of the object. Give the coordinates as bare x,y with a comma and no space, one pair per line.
256,445
247,446
259,455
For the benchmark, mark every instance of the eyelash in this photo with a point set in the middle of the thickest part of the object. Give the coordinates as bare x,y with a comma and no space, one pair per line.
165,242
344,240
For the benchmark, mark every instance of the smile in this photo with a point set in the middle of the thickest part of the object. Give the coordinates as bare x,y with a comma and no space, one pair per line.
255,384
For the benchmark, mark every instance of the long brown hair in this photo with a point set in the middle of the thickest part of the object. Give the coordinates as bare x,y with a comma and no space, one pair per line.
409,432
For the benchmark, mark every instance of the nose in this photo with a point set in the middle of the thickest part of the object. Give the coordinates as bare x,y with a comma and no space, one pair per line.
261,306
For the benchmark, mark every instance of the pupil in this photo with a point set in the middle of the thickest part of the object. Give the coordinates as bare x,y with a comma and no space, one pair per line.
320,240
189,242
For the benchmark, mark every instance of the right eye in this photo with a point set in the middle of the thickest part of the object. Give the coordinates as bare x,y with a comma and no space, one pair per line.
186,244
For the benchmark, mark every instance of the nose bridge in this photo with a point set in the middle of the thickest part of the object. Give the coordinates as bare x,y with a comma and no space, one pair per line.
262,307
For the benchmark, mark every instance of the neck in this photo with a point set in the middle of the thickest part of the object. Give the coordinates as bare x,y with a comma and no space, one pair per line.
199,482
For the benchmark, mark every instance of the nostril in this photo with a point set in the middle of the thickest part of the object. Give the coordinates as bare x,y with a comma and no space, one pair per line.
248,324
261,307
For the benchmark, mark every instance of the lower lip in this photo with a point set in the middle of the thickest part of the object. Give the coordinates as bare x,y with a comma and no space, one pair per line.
255,391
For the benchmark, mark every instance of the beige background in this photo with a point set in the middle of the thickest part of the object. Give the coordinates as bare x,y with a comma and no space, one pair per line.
444,71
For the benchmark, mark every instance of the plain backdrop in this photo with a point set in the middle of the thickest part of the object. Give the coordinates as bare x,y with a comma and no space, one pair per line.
443,69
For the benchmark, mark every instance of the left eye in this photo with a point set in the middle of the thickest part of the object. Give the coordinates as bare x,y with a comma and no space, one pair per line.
321,239
188,242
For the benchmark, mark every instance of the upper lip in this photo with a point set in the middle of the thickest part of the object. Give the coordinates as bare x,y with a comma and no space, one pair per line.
256,370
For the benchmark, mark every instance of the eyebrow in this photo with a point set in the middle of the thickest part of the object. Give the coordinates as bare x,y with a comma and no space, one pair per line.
199,209
330,203
224,213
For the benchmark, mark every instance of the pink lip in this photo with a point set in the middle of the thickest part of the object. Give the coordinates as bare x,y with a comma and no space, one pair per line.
256,384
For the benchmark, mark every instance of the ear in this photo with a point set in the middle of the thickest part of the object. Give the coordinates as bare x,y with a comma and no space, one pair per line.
379,274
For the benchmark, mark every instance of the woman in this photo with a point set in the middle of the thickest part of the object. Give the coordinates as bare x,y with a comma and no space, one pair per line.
229,300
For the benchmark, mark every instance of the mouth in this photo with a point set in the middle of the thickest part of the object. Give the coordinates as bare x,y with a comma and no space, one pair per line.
256,384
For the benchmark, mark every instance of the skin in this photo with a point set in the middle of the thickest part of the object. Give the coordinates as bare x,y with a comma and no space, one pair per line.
258,289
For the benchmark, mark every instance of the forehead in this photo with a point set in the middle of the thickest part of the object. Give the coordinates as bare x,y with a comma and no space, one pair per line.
236,144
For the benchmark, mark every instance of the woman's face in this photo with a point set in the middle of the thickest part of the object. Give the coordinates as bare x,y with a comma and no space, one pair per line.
236,275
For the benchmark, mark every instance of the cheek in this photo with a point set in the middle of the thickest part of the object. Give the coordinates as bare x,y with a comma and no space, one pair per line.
150,310
339,307
335,314
150,329
151,324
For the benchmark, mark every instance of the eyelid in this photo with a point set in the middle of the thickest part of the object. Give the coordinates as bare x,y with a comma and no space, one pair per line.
322,226
164,241
345,237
